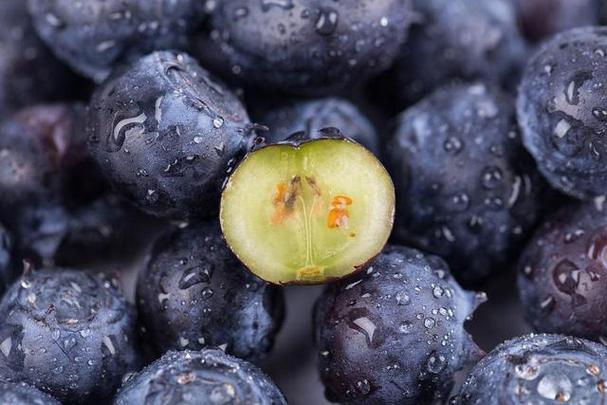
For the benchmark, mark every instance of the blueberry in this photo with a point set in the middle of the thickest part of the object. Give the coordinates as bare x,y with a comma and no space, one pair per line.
466,189
29,73
46,172
457,39
394,335
165,133
311,116
543,18
70,333
563,273
538,369
562,113
92,36
23,394
199,377
304,46
194,293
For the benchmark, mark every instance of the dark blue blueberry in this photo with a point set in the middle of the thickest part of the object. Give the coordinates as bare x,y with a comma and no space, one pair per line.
166,134
304,46
206,377
23,394
69,333
194,293
92,36
29,73
311,116
454,40
562,112
54,202
562,274
466,189
538,369
395,333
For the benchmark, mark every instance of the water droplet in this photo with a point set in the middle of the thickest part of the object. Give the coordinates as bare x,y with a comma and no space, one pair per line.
561,129
326,23
406,327
600,114
547,304
429,323
118,135
555,387
459,202
402,298
436,363
284,4
453,145
566,276
5,346
218,122
364,387
207,292
358,319
491,177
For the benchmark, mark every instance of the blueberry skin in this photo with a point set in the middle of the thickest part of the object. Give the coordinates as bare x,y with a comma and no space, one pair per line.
538,369
29,72
194,293
93,36
562,273
304,46
165,132
562,113
313,115
23,394
199,377
395,333
69,333
455,40
541,19
466,189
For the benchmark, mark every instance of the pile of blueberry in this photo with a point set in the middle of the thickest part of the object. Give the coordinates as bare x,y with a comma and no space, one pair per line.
402,153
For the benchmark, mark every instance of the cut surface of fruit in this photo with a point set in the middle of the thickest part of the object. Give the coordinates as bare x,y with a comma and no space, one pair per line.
307,213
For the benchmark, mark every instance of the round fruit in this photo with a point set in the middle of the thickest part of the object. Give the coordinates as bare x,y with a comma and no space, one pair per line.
308,211
562,112
562,276
304,46
165,132
395,334
190,280
538,369
467,190
93,36
69,333
205,377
